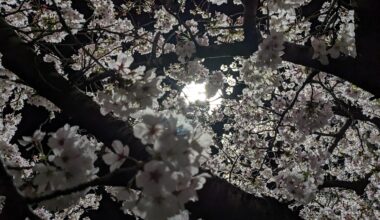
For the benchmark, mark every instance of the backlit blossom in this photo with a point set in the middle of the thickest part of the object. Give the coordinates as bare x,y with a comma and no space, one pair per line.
37,137
270,50
117,157
155,179
185,50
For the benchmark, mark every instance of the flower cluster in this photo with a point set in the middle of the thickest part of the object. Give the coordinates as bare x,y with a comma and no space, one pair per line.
303,190
121,65
123,101
270,50
302,184
171,178
165,21
37,137
311,114
116,159
321,53
214,84
104,12
71,163
191,71
73,18
185,50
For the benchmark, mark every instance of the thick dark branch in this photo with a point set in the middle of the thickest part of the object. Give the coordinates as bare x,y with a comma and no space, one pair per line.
249,25
340,135
358,186
118,178
355,113
367,35
344,67
233,203
236,203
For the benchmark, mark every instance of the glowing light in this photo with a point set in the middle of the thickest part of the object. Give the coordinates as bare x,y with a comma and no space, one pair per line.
197,92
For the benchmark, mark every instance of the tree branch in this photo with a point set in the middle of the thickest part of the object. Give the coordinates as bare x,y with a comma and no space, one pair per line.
344,67
340,135
358,185
218,200
249,25
354,112
119,177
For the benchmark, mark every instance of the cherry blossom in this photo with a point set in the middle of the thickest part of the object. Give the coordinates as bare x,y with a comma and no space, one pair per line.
117,158
185,50
63,138
214,83
48,178
155,179
271,50
150,128
37,137
123,62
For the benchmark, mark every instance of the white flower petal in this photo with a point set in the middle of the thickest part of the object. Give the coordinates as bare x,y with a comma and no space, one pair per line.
117,146
110,158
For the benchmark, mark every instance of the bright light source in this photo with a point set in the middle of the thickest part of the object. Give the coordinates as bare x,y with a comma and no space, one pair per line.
197,92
